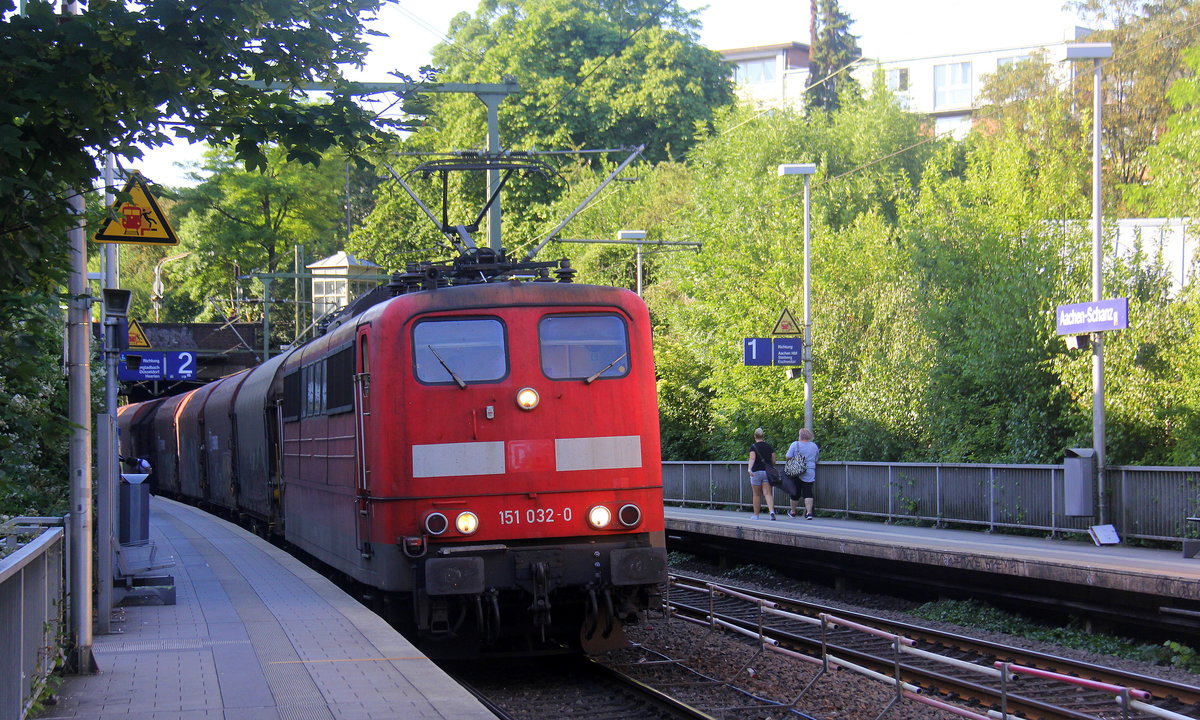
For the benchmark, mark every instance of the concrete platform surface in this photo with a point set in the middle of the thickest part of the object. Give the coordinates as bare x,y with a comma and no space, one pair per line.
254,635
1118,567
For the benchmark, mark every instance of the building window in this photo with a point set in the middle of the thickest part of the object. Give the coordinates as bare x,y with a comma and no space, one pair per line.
754,72
897,80
955,126
1013,60
329,295
952,85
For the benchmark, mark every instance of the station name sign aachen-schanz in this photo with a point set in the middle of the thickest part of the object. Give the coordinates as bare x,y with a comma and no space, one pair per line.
1095,316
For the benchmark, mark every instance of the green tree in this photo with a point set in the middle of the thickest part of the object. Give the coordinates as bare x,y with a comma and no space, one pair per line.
989,270
832,50
1173,185
750,268
1152,395
1148,37
593,74
600,73
660,202
123,75
239,222
397,231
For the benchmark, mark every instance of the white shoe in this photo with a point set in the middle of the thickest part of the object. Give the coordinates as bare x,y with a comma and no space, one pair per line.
753,517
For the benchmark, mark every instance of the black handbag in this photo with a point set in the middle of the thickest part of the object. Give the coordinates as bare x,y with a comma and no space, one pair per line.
773,474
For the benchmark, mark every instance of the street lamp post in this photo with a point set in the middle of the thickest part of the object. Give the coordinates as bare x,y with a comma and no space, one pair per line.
1096,52
807,170
157,289
116,335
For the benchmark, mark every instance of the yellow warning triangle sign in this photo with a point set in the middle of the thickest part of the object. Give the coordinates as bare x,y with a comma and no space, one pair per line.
137,336
786,325
137,220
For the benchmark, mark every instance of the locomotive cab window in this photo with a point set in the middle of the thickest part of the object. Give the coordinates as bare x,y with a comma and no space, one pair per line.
460,351
583,347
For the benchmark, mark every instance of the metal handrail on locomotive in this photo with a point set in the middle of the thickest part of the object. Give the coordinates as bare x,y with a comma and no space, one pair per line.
479,452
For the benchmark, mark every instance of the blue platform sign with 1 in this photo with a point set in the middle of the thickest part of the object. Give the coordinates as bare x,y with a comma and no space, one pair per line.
158,365
757,351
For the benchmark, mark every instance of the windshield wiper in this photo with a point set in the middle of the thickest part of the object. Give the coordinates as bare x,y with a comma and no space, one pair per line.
604,369
453,374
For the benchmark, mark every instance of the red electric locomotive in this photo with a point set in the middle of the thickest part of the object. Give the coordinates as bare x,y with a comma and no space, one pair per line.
481,450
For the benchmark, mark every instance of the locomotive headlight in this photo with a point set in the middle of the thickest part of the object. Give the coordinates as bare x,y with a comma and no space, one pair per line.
630,515
436,523
467,523
599,517
527,398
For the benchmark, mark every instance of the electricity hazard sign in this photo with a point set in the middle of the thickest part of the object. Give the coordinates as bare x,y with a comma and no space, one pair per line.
137,336
137,220
786,324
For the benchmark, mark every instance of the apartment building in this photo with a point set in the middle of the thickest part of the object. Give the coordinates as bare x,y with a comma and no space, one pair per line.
945,87
770,74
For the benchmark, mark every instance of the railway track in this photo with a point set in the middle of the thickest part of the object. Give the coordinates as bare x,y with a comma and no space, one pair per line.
566,686
973,678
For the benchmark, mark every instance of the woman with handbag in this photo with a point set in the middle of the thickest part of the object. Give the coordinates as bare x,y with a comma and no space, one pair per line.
802,467
761,453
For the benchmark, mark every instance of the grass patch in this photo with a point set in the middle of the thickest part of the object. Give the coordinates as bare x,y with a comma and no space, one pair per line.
974,614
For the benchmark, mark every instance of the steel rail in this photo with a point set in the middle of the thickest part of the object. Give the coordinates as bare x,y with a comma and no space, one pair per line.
596,690
940,661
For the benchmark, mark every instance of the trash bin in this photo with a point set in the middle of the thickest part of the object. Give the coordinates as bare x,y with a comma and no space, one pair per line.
133,524
1079,482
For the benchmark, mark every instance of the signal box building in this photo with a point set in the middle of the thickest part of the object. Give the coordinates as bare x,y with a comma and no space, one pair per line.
338,280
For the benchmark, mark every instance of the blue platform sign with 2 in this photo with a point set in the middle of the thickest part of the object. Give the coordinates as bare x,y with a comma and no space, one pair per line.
158,365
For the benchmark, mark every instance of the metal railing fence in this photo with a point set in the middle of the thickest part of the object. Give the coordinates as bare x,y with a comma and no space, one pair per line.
1148,503
32,601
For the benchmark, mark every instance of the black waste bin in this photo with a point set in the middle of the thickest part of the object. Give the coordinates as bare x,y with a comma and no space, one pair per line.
1079,482
133,524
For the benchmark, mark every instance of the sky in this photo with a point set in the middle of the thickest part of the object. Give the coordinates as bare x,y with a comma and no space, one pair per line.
886,29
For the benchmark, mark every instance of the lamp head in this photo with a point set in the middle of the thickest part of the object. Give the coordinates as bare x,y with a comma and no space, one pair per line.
1089,51
631,234
116,302
797,169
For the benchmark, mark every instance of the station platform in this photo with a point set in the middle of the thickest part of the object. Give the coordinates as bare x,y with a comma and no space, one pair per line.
254,635
1164,575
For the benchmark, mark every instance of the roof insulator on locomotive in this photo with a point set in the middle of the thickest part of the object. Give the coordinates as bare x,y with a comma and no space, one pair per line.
543,275
565,273
396,285
409,281
433,278
483,255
